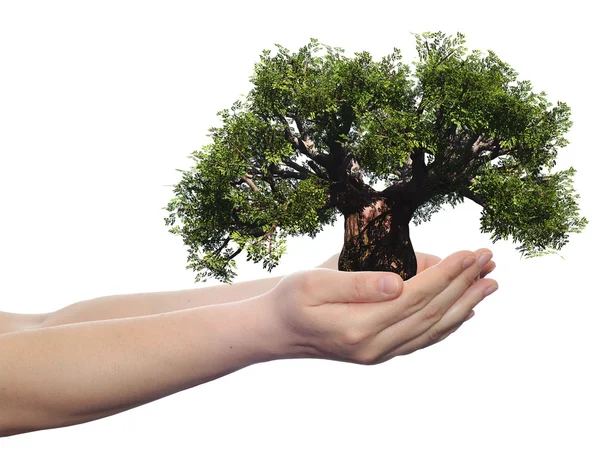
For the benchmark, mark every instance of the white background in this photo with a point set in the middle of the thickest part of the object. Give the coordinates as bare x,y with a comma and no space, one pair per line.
100,102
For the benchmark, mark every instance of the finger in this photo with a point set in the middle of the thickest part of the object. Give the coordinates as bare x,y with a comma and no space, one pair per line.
433,311
425,261
415,345
459,313
488,268
328,286
417,319
417,292
439,278
435,279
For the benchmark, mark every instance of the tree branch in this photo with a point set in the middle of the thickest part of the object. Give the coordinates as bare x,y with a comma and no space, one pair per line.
467,193
304,144
288,162
271,181
418,165
299,124
289,174
474,143
250,183
234,254
318,170
242,155
289,135
222,246
270,232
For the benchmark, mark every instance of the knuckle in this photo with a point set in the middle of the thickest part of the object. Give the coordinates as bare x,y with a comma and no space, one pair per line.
367,357
303,283
448,333
359,286
447,276
432,312
435,334
354,336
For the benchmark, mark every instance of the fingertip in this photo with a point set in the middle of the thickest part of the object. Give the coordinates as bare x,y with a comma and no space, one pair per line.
457,258
491,289
389,284
489,268
468,262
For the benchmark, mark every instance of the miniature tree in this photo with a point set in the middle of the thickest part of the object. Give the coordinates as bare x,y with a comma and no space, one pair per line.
317,124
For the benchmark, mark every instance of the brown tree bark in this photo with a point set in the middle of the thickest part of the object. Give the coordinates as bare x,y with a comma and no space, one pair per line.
377,235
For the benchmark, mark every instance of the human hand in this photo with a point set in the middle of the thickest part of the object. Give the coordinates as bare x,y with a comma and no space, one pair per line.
344,315
424,262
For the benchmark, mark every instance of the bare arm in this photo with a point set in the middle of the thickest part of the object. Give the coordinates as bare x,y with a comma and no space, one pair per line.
65,375
68,374
130,305
143,304
149,303
11,322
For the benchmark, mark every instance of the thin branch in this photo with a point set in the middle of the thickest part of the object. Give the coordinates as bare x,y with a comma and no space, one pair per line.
290,174
249,182
230,165
222,246
421,106
305,65
289,135
466,192
299,124
274,226
242,155
318,170
270,232
234,254
474,143
382,125
304,145
271,182
288,162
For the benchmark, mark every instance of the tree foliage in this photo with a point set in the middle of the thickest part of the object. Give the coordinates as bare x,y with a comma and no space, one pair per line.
455,125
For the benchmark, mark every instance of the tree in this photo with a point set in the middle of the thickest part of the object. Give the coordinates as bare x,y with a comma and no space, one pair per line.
318,129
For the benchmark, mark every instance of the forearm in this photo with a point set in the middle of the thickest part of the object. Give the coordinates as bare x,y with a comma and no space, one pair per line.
132,305
65,375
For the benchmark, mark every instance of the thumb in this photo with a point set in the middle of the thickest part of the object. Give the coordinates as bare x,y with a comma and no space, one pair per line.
363,287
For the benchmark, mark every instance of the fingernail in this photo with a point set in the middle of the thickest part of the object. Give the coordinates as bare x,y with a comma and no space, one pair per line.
490,290
484,259
388,285
468,262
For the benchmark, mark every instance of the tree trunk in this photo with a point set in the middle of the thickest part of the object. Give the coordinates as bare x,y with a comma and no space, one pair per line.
377,236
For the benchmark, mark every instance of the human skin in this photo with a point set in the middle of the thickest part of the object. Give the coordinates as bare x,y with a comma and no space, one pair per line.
78,371
365,328
142,304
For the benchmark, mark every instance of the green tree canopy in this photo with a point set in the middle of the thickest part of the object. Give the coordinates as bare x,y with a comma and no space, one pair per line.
293,154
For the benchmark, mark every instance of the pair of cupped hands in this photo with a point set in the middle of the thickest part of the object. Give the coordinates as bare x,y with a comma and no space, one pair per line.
371,317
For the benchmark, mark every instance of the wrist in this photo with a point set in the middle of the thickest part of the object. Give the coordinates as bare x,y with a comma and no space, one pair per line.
278,341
